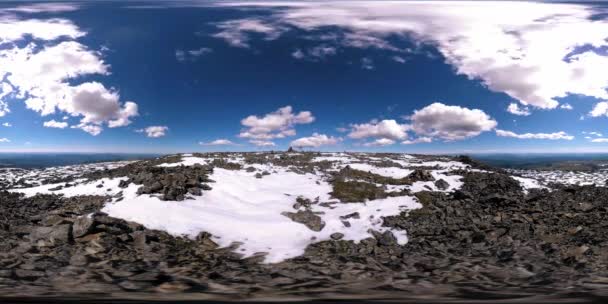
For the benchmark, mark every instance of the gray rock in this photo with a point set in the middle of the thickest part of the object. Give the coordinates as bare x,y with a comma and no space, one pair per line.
336,236
82,226
308,218
442,184
54,235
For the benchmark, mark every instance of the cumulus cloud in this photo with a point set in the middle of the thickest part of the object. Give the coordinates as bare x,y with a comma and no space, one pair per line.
12,29
278,124
514,109
380,142
600,109
217,142
7,124
314,141
417,141
450,122
566,106
44,74
262,143
530,51
4,140
5,90
154,131
385,129
91,129
55,124
550,136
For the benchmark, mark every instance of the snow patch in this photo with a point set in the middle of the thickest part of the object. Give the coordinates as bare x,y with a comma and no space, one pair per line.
245,209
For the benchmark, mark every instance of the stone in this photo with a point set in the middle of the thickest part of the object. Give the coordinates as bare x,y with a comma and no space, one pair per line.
308,218
336,236
82,226
442,184
59,234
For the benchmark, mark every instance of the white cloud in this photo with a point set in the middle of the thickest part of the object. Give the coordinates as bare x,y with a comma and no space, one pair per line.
398,59
450,122
5,90
217,142
550,136
191,55
55,124
599,140
262,143
593,133
154,131
417,141
235,32
91,129
57,7
342,129
600,109
315,53
298,54
7,124
314,141
12,29
514,109
566,106
380,142
530,51
367,63
278,124
97,105
385,129
4,140
43,74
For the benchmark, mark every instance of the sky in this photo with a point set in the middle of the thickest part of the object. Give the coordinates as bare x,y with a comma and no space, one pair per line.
394,76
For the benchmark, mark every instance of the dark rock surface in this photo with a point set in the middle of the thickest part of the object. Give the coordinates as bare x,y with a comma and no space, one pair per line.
489,240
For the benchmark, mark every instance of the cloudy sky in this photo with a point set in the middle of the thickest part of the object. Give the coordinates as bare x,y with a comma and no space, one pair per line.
415,76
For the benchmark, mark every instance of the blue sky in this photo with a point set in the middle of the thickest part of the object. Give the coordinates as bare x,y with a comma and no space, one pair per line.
440,77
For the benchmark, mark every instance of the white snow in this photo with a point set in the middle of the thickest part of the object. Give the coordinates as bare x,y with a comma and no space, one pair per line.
245,209
82,187
528,183
188,161
393,172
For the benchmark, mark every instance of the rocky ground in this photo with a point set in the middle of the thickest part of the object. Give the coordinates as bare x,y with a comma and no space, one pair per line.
480,235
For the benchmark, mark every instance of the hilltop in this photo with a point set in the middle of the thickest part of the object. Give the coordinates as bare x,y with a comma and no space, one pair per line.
299,226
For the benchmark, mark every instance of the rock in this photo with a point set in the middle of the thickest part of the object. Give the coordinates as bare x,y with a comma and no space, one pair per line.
421,176
354,215
336,236
54,235
308,218
56,188
79,260
195,191
82,226
28,274
442,184
123,184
